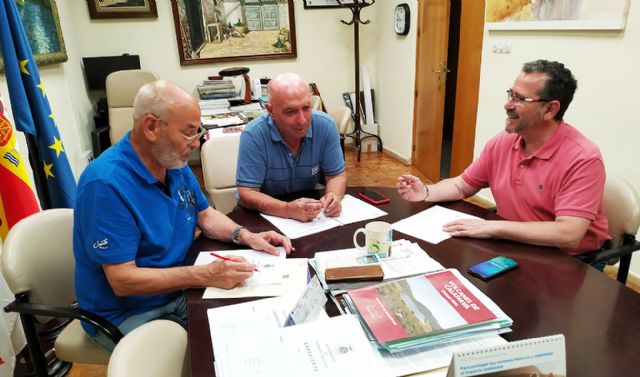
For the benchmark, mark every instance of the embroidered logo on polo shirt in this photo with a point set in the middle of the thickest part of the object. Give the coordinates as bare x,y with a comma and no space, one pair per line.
186,198
101,244
315,170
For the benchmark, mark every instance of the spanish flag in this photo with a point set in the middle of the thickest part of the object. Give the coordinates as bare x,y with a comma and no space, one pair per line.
17,199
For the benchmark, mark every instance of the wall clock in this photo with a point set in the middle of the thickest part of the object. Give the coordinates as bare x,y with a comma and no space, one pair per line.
401,16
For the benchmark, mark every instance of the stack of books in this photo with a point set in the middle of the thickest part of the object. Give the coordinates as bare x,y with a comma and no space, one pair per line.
425,310
216,89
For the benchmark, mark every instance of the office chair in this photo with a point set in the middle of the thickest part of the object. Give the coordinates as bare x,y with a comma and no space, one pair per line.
38,265
122,87
157,348
343,119
219,157
622,208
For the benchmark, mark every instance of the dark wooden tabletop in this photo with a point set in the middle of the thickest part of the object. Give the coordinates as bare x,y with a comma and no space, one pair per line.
550,293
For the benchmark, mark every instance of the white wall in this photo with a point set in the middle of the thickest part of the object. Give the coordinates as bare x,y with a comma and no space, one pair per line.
605,108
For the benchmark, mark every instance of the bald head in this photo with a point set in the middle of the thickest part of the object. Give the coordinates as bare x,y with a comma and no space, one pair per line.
285,85
158,98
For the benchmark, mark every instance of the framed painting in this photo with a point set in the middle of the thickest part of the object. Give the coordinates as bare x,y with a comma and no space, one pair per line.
42,25
211,31
101,9
325,3
556,14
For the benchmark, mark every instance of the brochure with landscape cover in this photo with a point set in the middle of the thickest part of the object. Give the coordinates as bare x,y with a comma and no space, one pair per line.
419,310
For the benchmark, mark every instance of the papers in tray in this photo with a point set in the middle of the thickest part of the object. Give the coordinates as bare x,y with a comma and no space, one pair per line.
425,310
270,267
353,210
407,259
427,225
248,340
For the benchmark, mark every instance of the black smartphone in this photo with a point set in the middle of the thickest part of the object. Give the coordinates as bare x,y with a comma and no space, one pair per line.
374,197
492,267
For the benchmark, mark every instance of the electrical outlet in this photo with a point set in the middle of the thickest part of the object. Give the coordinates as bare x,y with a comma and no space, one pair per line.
501,47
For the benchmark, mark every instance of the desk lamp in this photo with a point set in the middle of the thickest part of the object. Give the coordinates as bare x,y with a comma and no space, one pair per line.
237,71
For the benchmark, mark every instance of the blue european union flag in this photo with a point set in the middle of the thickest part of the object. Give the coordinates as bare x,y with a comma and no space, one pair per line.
31,111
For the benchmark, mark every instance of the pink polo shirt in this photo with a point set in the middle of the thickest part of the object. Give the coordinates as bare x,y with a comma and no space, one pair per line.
563,178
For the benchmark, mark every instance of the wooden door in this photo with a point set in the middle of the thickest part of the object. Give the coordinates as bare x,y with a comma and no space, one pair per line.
431,76
432,45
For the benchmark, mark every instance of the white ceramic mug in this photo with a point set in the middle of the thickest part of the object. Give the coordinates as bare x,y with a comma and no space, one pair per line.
377,237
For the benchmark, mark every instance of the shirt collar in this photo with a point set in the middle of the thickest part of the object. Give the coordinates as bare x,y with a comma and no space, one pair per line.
550,146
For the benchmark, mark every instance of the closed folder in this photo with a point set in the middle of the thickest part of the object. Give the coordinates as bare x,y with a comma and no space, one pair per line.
370,272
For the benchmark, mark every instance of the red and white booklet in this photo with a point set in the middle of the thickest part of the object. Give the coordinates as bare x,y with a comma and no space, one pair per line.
425,309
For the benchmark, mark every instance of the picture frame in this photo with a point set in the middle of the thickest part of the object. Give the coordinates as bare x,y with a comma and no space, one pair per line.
313,4
567,15
212,31
105,9
42,26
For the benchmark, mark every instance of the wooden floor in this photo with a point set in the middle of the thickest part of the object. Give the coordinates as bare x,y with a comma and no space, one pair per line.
374,169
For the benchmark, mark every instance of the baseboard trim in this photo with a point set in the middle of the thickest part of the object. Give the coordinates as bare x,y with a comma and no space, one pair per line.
406,161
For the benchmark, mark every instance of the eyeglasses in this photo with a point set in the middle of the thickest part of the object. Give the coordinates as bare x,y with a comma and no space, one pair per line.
517,99
189,139
197,136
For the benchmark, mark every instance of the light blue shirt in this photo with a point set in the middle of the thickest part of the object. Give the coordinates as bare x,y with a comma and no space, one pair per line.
266,162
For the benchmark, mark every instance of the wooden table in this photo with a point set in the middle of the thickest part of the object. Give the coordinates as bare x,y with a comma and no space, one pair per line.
550,293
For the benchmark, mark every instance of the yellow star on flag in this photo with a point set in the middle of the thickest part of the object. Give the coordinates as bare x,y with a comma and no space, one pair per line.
41,86
57,146
23,67
53,119
47,170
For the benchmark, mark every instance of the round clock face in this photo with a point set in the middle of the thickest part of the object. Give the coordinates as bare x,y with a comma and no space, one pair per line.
401,19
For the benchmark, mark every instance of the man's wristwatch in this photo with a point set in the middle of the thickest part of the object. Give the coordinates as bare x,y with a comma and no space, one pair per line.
235,234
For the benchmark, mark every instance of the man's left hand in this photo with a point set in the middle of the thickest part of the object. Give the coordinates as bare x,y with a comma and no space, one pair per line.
332,204
266,241
470,228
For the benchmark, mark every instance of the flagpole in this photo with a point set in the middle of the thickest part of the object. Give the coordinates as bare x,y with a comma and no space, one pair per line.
38,172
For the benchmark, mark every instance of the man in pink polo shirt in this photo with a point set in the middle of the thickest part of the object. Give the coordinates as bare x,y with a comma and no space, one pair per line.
546,177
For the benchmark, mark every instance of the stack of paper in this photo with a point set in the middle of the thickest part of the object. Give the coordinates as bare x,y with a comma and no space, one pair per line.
407,259
353,210
249,340
426,310
427,225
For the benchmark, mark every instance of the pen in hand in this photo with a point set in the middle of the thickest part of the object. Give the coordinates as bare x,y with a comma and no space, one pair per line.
229,259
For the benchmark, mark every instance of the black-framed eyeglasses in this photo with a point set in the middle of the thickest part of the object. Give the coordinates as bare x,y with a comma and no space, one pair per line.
516,98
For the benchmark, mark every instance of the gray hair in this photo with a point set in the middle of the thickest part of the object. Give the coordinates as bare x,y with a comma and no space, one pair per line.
157,98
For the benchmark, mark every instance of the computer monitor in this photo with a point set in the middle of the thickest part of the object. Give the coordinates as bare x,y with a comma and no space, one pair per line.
96,69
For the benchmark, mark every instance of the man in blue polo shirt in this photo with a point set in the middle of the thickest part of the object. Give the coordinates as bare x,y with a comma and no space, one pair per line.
287,151
137,209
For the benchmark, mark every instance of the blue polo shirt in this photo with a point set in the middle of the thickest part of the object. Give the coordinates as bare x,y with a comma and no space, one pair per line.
265,161
122,214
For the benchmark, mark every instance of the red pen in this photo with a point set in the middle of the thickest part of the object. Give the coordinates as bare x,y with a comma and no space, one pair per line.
229,259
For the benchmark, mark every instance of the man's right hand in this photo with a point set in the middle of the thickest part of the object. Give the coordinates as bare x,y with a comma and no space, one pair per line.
304,209
411,188
228,274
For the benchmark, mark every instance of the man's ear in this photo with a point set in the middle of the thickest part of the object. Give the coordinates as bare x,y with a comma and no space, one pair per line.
552,108
150,125
269,108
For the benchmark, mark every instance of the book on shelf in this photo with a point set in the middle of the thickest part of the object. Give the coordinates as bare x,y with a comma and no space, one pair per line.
424,310
545,356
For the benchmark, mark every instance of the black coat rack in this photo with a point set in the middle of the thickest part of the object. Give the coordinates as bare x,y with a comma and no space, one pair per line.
358,135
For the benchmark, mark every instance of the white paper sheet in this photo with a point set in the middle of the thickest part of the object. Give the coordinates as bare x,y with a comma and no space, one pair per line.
353,210
270,267
293,283
427,225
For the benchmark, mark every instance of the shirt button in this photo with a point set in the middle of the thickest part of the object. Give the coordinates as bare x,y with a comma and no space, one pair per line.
522,166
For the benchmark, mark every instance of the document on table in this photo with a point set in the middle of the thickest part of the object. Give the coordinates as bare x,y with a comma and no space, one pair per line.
427,225
353,210
294,281
435,357
270,268
248,340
